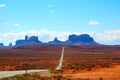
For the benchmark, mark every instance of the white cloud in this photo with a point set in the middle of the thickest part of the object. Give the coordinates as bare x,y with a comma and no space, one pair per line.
12,25
49,5
44,35
92,22
52,11
107,37
16,24
2,5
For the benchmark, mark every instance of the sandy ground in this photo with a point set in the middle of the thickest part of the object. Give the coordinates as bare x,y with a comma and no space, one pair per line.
104,73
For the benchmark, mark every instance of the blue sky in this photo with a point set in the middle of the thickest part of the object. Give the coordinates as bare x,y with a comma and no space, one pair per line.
99,18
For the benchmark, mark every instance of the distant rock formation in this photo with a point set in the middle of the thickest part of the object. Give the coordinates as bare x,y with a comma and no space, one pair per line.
10,45
33,39
56,41
83,39
1,45
28,40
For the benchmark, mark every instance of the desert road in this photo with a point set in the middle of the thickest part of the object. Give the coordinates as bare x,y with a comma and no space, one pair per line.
4,74
43,72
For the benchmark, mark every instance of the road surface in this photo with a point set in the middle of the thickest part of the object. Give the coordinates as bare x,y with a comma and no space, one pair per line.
4,74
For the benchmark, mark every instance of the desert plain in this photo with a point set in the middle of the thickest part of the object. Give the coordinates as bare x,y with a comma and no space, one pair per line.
80,62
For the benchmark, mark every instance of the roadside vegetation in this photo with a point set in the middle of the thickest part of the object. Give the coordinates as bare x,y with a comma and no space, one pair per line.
36,76
87,66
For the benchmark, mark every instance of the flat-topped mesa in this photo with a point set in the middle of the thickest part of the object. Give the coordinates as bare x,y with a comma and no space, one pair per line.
33,39
83,39
28,40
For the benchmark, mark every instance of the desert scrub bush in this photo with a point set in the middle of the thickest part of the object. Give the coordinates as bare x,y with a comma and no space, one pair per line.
105,65
90,67
17,77
59,77
81,66
100,78
24,77
82,79
74,66
57,71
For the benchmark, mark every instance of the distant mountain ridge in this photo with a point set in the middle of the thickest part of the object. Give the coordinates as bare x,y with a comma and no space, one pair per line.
83,39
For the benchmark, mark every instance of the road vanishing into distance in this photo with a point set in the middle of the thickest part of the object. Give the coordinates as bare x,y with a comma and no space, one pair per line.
43,72
4,74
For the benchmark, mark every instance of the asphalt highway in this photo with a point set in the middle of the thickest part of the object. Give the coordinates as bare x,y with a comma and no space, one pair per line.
4,74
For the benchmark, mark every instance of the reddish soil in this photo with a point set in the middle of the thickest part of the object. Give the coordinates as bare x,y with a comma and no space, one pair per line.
112,73
77,59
